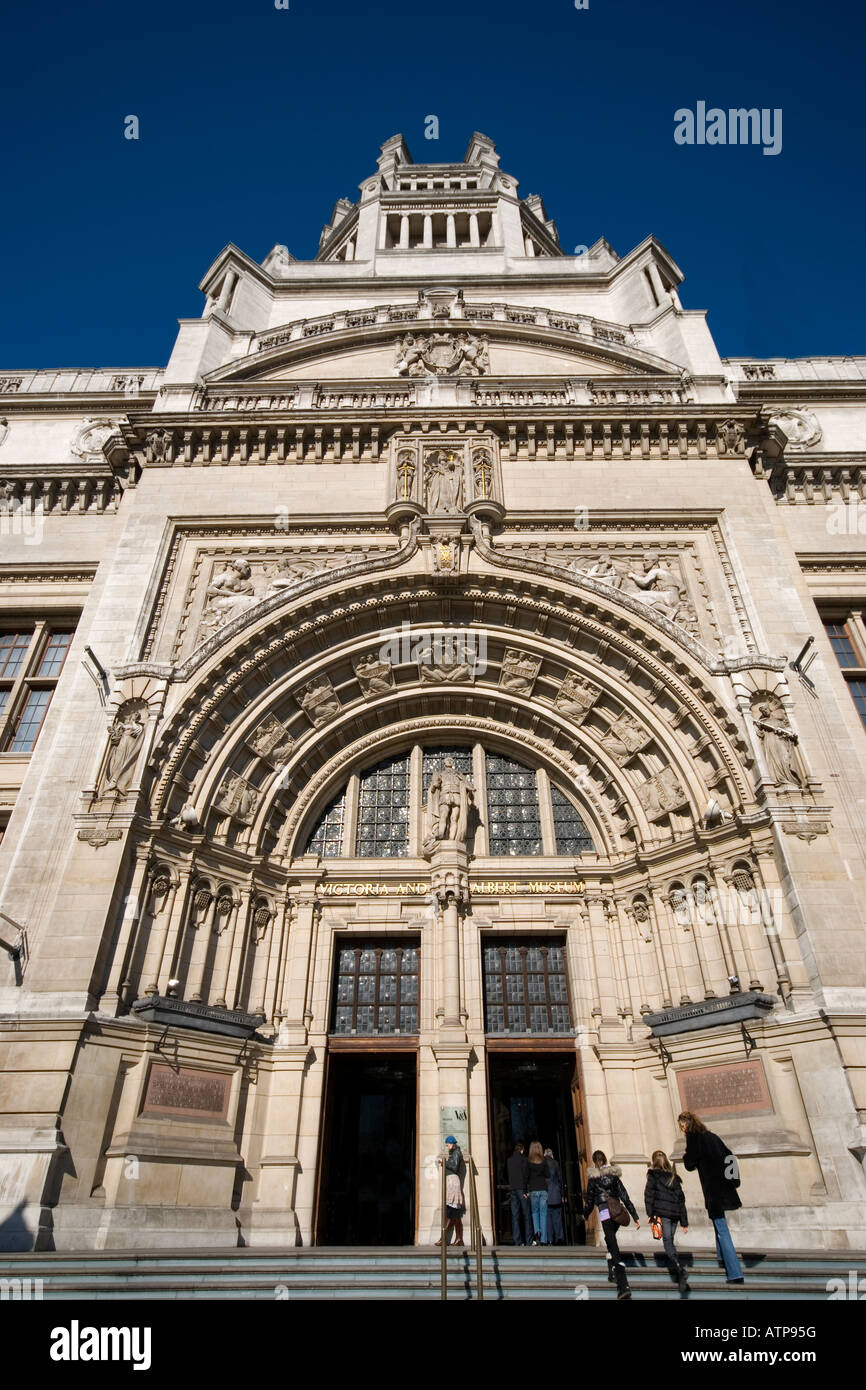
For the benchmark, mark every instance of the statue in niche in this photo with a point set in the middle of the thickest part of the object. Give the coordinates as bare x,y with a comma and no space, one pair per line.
482,473
447,814
230,592
124,743
405,474
778,740
640,908
656,585
444,482
375,677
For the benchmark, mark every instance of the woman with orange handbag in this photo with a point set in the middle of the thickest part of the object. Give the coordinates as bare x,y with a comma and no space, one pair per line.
665,1203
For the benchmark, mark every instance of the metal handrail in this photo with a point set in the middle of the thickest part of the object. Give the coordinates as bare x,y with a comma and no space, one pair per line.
443,1275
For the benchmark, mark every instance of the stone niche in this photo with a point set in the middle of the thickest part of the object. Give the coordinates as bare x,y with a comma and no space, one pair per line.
171,1164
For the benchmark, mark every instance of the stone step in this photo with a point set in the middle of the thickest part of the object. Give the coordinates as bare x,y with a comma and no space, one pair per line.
412,1273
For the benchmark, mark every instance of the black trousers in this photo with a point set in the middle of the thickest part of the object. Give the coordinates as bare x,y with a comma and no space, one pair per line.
614,1258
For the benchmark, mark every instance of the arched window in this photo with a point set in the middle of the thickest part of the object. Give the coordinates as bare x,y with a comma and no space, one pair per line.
517,810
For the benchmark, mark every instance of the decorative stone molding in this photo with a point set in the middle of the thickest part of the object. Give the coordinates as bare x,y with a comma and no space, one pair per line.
661,794
319,701
801,428
519,671
89,438
442,354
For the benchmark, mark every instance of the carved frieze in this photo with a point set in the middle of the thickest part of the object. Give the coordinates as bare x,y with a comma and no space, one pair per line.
271,740
661,794
519,671
237,798
442,354
319,701
576,697
625,737
375,676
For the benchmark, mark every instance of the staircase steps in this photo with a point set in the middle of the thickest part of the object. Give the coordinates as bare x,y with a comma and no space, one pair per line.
377,1273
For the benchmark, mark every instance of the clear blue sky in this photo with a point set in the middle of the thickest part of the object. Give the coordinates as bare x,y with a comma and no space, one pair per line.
254,120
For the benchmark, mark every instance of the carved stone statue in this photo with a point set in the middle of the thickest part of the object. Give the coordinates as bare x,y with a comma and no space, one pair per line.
230,592
778,740
447,812
657,586
375,677
730,438
271,740
444,482
439,354
482,474
125,740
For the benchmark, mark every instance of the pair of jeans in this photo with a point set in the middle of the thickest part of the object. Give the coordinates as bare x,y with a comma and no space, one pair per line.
725,1248
669,1228
538,1202
614,1258
521,1219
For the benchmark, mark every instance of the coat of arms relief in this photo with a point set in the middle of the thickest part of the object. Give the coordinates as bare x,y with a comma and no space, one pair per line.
442,354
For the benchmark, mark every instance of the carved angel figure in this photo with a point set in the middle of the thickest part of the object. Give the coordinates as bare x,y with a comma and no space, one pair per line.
229,593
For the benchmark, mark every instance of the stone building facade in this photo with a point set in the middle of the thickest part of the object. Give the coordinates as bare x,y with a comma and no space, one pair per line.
433,702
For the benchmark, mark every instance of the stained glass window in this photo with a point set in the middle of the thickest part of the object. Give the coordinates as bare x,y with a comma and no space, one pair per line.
376,988
327,838
513,820
383,811
572,836
525,988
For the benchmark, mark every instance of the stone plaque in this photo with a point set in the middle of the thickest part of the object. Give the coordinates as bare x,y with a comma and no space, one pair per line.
737,1088
186,1093
454,1120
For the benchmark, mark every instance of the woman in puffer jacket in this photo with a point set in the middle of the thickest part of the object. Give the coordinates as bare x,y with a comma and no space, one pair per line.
605,1182
664,1197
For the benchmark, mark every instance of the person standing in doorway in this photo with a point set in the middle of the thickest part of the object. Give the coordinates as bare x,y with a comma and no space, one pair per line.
555,1228
518,1192
538,1193
604,1186
719,1173
455,1204
665,1200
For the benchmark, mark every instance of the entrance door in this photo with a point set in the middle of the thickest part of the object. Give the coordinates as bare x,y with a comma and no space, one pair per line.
531,1097
367,1192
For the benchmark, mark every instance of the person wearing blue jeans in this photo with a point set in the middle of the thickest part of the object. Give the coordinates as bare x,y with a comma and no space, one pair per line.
720,1177
538,1192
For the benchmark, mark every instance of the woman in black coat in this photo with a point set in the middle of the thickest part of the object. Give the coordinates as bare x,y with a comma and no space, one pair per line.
664,1198
604,1183
720,1177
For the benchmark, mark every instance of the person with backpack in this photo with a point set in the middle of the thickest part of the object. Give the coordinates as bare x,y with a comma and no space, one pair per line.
555,1228
665,1203
538,1192
720,1177
605,1191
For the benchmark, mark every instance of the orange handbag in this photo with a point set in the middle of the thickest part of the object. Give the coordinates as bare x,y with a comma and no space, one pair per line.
656,1227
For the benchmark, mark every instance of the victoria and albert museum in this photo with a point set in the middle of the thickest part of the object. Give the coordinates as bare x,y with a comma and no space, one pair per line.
431,704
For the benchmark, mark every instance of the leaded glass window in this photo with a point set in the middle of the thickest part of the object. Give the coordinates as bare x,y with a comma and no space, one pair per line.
525,987
513,820
327,838
383,811
376,988
572,836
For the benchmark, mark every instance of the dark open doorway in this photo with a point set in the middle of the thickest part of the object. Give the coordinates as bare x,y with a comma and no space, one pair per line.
536,1095
367,1191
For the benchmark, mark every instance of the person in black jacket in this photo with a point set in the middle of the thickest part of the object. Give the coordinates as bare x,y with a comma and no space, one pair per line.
555,1228
455,1202
518,1184
605,1183
664,1198
720,1177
